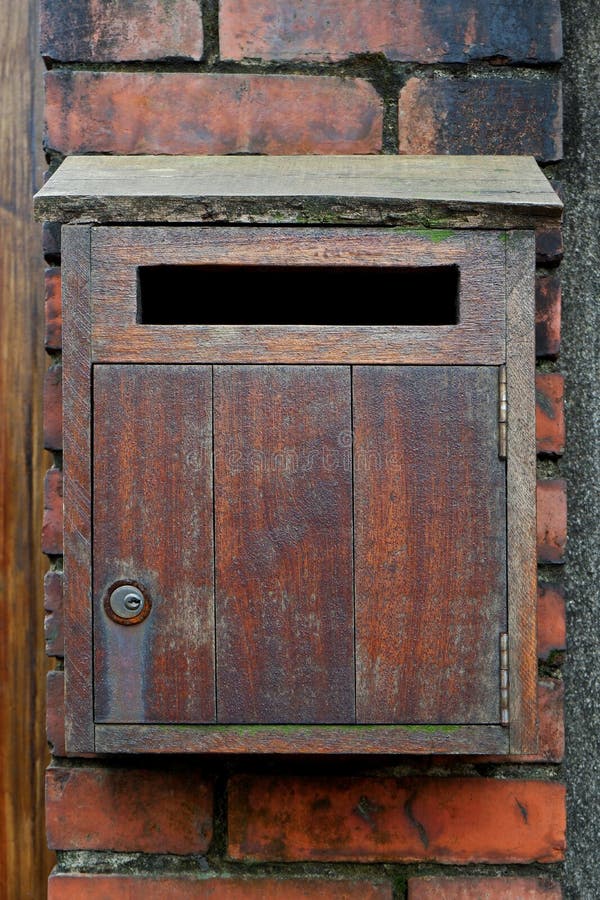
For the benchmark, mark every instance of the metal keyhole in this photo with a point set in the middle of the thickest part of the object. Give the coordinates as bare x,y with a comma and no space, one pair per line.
133,602
127,604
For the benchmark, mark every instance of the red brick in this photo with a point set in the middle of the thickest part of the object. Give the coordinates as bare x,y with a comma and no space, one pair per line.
434,888
549,247
493,115
51,241
101,30
53,307
52,523
551,520
550,413
130,887
451,31
128,809
145,112
55,712
53,606
547,315
451,820
551,696
551,620
53,408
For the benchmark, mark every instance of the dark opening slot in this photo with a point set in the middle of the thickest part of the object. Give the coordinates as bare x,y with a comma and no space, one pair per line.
298,295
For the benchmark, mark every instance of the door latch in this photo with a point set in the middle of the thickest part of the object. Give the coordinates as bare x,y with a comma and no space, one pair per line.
127,605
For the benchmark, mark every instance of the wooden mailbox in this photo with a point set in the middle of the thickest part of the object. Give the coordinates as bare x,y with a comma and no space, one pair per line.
299,452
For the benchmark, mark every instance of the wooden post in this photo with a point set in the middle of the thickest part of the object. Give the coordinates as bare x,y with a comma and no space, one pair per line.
24,861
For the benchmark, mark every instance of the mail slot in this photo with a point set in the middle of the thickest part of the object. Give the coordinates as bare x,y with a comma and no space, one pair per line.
299,453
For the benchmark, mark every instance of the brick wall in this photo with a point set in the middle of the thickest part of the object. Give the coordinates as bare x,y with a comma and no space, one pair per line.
312,76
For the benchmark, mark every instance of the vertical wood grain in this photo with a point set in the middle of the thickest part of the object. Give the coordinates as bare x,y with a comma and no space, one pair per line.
430,560
283,524
79,722
521,477
153,525
24,860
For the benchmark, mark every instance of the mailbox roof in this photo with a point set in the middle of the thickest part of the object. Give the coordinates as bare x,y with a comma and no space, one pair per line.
464,191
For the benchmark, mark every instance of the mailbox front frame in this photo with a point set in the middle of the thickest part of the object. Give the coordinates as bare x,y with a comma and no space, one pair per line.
97,328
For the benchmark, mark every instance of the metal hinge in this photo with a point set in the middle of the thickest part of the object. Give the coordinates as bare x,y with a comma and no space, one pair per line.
502,413
504,720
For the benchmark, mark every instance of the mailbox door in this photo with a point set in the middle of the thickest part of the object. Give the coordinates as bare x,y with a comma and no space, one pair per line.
153,529
430,544
283,519
313,544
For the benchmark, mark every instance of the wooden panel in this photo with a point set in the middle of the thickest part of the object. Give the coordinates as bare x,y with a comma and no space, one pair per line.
409,345
24,860
153,525
494,191
79,727
478,338
283,527
429,544
521,462
313,739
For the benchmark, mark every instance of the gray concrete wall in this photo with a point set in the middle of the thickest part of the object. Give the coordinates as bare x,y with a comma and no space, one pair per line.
580,360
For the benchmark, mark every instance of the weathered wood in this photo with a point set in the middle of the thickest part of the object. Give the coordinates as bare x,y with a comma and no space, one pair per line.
283,531
79,726
478,337
488,191
277,531
153,526
24,859
430,544
313,739
521,473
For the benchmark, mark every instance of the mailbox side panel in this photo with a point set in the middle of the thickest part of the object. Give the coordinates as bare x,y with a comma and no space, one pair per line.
76,295
521,482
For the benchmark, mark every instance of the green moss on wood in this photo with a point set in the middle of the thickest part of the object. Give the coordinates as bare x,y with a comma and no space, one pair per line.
435,235
302,729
